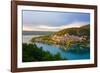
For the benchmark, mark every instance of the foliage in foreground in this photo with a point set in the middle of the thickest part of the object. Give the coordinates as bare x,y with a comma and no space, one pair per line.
30,53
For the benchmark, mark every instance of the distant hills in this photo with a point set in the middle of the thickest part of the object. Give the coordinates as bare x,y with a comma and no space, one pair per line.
37,32
84,30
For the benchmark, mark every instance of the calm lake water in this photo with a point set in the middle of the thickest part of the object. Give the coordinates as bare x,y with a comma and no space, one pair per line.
53,49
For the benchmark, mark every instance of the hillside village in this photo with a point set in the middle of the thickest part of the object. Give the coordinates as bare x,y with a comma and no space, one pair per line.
66,37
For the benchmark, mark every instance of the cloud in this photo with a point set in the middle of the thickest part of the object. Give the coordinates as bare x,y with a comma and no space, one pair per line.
42,27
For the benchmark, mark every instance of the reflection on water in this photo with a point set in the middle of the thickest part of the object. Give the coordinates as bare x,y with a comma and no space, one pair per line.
64,54
54,49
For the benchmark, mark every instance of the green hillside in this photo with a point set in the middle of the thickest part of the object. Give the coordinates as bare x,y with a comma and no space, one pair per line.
67,37
84,30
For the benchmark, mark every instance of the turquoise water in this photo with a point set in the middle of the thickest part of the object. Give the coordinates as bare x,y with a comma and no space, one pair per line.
64,54
54,49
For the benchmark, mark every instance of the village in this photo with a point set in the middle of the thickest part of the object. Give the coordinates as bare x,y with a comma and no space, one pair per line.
65,38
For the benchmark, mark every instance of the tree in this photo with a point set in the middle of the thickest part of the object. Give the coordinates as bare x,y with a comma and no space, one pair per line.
32,53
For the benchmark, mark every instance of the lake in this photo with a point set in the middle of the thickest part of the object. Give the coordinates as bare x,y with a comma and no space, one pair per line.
53,49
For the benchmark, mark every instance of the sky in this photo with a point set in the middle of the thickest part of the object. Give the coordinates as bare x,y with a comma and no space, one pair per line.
52,21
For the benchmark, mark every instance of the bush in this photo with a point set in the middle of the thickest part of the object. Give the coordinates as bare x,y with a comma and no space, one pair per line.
30,53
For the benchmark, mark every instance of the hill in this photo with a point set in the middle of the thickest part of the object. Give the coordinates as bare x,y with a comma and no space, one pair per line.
67,37
37,32
84,30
